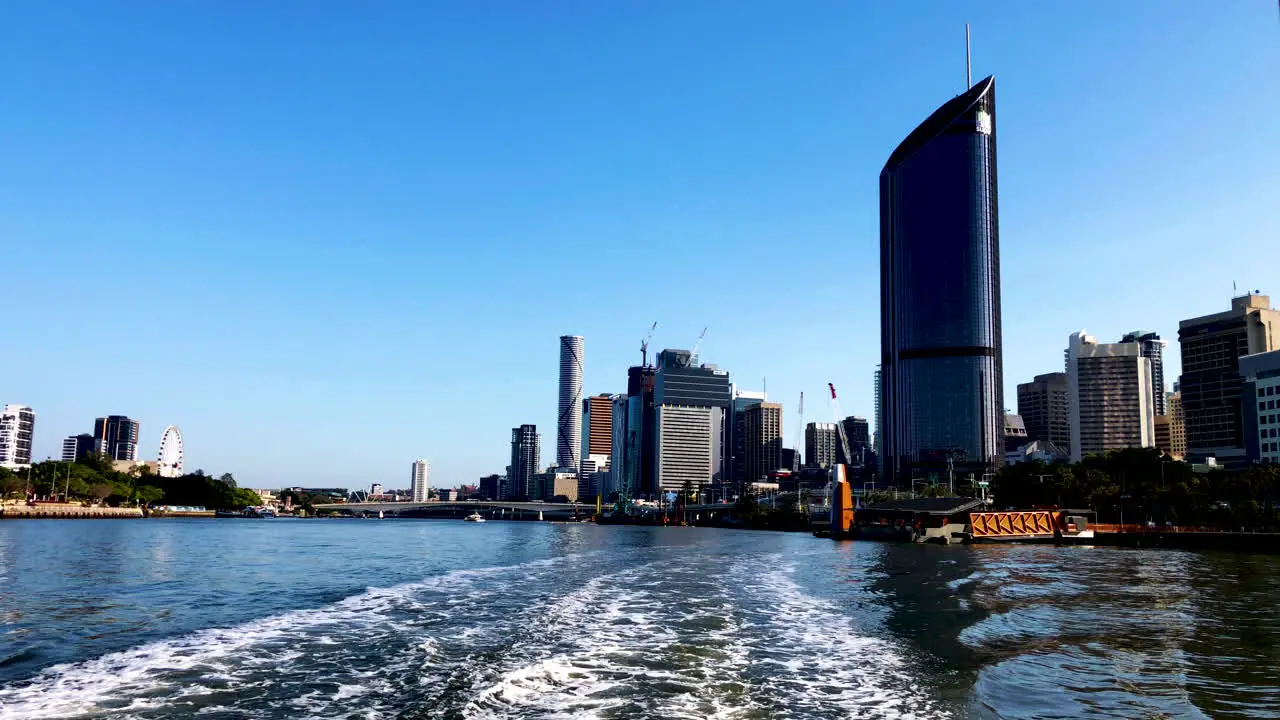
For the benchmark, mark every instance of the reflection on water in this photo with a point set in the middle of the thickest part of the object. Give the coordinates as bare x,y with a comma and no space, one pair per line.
172,618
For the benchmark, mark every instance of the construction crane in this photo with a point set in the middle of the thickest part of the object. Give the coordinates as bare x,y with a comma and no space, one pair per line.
693,356
644,345
835,409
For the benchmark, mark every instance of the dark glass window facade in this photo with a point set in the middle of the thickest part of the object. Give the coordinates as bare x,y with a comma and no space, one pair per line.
942,380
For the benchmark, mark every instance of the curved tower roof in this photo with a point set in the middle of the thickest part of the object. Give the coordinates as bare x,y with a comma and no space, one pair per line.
934,125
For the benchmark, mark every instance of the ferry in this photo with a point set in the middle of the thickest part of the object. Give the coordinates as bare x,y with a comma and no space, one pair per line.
474,517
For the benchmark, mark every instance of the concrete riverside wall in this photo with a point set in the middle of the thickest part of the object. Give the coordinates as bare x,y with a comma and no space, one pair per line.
66,511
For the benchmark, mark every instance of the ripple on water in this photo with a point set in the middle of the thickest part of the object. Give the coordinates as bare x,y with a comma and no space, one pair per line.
1120,633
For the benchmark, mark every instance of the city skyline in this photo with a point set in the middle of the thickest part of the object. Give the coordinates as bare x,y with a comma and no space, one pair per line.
809,134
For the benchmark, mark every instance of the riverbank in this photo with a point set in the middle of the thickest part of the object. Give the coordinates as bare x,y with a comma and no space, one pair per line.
68,511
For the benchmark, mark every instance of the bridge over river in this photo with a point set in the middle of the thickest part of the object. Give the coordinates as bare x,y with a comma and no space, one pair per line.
503,510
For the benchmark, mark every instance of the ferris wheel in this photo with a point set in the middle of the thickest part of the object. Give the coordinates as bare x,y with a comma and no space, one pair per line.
170,461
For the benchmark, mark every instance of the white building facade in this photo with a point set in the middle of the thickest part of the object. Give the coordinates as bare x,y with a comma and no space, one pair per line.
420,480
1109,396
17,429
687,446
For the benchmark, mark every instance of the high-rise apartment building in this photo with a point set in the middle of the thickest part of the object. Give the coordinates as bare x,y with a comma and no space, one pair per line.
942,379
820,442
762,440
420,480
76,447
1110,396
525,453
1261,402
569,426
1212,346
1045,409
17,430
876,438
597,425
1153,350
690,405
1177,426
116,436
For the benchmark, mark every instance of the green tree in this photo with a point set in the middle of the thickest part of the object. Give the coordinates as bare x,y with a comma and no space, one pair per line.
149,494
11,483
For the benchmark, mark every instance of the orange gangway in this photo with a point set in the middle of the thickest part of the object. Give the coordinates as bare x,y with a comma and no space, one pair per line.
1015,523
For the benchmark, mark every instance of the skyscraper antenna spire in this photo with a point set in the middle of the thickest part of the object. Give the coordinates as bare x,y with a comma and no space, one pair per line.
968,60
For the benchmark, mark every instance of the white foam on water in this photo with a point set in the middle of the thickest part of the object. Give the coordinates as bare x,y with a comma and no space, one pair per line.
724,642
821,665
240,663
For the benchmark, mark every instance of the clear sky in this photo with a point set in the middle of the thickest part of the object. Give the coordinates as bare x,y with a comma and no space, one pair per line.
327,238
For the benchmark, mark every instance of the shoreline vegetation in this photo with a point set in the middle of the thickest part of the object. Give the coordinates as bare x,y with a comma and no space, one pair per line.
91,482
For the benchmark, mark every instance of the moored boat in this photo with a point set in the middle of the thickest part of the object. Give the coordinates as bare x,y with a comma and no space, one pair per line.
474,517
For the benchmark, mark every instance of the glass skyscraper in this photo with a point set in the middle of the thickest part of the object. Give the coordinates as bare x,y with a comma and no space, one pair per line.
941,378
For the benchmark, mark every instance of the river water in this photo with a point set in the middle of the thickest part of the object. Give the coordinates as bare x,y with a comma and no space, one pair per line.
444,619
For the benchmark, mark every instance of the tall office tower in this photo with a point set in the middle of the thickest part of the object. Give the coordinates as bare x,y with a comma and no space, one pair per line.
762,440
76,447
1210,384
591,477
618,460
737,429
790,459
690,404
597,412
1153,350
640,472
525,452
858,433
1261,374
420,480
1110,396
1163,435
116,436
940,294
17,428
1177,426
820,442
1015,432
1045,410
490,487
569,426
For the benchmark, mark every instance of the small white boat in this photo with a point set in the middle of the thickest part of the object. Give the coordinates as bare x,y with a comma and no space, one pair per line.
381,515
474,517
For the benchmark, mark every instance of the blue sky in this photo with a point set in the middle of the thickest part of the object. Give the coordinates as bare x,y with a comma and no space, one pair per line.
327,238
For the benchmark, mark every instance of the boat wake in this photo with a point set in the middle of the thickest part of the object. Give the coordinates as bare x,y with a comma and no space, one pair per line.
566,637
